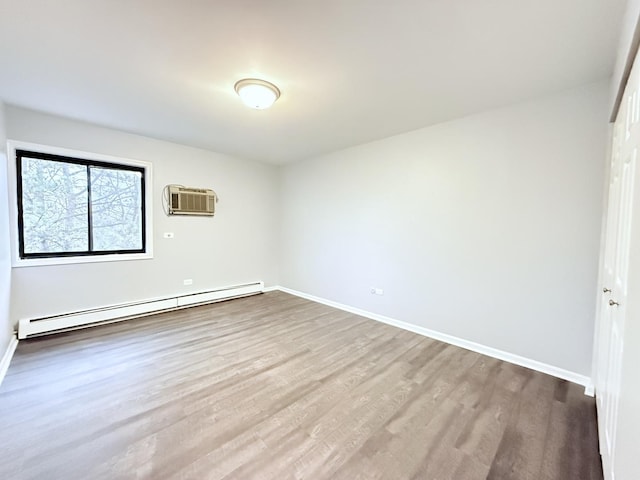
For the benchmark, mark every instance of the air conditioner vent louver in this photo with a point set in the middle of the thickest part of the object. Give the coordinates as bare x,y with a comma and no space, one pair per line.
192,201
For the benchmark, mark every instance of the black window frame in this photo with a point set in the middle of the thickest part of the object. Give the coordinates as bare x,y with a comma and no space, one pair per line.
23,153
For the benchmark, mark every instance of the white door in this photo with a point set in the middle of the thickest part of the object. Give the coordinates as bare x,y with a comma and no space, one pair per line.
626,141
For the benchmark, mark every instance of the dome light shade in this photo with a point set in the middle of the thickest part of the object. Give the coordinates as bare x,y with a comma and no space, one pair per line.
258,94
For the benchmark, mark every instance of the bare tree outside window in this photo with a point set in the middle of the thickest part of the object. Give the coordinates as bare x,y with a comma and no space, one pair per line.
116,211
54,206
71,206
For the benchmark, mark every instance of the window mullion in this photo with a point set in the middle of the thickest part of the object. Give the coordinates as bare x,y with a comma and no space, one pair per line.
89,210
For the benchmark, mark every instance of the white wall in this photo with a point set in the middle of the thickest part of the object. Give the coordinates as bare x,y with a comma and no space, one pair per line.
238,245
485,228
6,327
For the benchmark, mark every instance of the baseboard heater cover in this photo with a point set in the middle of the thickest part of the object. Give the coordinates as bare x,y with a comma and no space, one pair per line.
86,318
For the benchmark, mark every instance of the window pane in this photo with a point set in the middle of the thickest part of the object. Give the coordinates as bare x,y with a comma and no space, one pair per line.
54,206
116,209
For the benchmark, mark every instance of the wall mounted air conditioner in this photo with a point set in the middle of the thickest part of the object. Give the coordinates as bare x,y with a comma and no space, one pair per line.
191,201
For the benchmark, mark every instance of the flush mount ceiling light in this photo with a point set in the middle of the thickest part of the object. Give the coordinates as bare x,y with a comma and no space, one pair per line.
258,94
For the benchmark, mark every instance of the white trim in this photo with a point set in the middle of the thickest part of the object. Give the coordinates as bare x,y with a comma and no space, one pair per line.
115,313
272,289
16,261
459,342
6,358
43,262
590,389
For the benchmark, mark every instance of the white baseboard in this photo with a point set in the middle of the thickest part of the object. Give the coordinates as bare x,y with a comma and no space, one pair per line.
459,342
8,355
590,389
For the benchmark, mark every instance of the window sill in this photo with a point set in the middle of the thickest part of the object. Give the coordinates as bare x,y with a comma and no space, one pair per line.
42,262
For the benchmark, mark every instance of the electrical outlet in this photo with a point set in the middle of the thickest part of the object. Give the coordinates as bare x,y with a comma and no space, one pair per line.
187,281
168,235
376,291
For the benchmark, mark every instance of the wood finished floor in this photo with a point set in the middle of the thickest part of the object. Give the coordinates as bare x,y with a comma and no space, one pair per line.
277,387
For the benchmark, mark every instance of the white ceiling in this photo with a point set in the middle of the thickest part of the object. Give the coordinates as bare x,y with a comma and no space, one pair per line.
350,71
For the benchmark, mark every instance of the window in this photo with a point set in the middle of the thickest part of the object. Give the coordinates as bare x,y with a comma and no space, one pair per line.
69,206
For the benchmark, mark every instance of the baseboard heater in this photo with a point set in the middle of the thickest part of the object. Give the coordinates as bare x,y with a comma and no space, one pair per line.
115,313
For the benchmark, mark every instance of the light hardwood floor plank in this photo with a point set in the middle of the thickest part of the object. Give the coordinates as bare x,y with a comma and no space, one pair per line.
277,387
